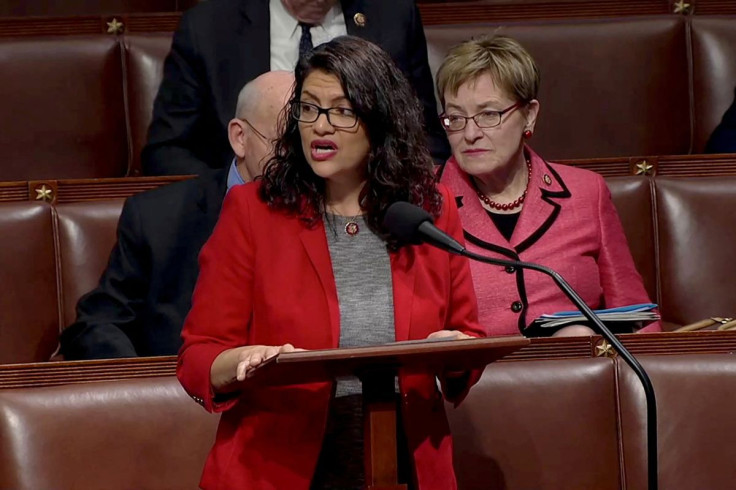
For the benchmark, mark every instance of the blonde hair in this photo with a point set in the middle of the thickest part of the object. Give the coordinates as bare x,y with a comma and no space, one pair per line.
511,67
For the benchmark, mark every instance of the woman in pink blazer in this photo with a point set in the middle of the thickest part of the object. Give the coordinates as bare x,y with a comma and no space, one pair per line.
301,260
515,205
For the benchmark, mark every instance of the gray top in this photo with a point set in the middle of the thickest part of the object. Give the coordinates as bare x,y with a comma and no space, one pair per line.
362,270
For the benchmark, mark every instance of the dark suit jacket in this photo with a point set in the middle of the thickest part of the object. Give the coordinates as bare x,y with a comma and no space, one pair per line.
222,44
139,306
723,139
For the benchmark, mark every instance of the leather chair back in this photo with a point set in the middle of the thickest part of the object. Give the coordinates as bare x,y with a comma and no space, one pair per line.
695,399
62,114
29,315
86,232
714,73
85,7
138,433
144,54
696,227
543,425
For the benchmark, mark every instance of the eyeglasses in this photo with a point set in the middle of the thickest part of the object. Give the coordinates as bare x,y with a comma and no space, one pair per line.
338,117
484,119
263,136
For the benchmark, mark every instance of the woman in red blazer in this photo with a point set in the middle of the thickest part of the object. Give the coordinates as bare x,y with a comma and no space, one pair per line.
273,278
514,205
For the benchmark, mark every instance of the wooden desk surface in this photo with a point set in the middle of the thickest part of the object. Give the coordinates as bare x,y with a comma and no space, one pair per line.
65,372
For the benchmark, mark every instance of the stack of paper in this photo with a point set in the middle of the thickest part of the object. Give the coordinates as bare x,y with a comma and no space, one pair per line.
632,313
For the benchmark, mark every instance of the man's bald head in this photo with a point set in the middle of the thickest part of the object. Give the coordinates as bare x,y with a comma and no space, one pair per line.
268,93
255,125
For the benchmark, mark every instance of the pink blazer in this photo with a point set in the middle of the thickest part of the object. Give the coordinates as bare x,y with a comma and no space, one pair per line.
265,278
569,224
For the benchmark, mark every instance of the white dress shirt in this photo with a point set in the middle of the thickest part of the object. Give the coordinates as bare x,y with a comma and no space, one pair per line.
286,33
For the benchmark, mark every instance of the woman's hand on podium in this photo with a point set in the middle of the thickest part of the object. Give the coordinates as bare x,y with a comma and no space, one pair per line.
447,334
232,365
252,356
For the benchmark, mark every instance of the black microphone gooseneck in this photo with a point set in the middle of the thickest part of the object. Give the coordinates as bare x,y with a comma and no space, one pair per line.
411,224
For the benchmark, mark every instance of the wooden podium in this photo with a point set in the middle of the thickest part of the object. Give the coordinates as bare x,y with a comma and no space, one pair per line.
376,367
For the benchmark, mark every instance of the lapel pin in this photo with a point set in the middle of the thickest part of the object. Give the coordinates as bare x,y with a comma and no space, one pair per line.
359,19
547,179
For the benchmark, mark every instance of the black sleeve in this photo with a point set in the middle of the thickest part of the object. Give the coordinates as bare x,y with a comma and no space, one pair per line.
177,111
723,139
108,316
421,80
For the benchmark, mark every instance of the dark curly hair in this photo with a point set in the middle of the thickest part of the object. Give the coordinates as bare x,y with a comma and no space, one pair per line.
399,166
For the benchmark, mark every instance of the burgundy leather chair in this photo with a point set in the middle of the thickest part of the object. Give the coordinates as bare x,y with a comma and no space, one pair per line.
29,313
696,427
117,435
539,425
714,73
696,230
144,54
63,114
86,235
85,7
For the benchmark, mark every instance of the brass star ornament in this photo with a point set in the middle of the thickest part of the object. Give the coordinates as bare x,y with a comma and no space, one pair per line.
604,349
114,26
681,7
643,168
44,193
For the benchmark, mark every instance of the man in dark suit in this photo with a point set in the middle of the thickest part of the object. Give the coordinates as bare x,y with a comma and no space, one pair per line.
221,44
723,139
139,306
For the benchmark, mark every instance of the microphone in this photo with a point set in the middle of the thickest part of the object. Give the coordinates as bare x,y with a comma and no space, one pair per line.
413,225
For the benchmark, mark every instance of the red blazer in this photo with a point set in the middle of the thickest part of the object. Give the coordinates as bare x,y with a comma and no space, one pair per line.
569,224
265,278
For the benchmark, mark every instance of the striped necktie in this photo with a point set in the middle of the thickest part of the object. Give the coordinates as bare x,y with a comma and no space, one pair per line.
305,43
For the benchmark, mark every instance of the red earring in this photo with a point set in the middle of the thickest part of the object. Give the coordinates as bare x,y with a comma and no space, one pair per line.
528,133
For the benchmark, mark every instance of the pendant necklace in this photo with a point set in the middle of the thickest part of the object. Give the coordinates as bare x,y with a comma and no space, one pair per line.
351,225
